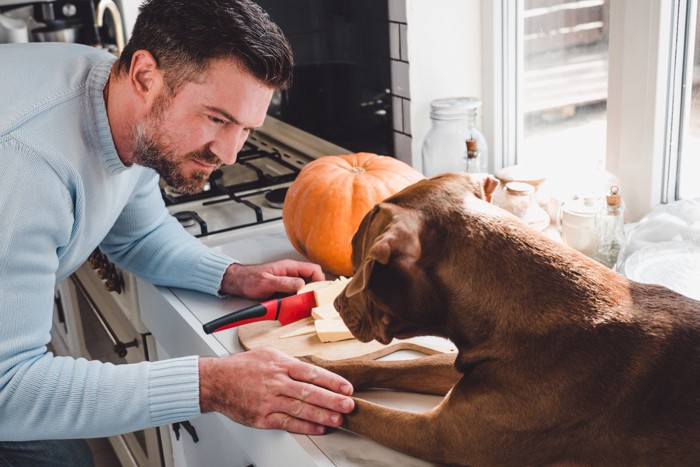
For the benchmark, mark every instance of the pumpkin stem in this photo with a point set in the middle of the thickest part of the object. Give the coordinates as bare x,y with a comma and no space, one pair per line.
360,170
356,169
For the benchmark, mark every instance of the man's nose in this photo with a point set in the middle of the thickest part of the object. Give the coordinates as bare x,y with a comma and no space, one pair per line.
227,145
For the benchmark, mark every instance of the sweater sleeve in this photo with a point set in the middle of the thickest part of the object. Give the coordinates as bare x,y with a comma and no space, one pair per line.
48,397
148,241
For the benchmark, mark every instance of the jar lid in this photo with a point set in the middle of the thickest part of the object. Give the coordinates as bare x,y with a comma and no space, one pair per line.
453,107
586,206
519,188
521,173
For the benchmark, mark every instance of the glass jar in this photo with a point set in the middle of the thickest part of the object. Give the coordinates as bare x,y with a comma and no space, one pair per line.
445,146
520,200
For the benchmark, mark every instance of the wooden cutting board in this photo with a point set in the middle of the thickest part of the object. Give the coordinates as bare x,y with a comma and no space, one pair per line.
266,333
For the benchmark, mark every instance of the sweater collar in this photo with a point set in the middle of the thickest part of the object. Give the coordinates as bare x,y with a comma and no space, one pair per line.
96,82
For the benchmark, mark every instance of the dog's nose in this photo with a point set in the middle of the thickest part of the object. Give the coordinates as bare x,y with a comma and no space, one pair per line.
340,302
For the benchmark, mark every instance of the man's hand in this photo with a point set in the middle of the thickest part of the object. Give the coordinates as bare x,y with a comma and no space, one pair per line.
257,281
265,388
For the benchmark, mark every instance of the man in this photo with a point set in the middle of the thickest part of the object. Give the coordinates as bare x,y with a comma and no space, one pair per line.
79,135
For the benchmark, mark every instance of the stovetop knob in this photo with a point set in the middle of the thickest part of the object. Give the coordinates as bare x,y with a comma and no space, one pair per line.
113,284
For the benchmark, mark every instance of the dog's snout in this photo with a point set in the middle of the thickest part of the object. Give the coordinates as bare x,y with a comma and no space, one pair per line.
340,302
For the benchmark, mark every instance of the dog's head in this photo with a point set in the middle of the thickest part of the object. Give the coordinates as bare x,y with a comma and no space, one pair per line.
401,254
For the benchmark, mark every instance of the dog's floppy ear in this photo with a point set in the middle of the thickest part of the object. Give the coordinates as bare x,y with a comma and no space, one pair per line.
395,239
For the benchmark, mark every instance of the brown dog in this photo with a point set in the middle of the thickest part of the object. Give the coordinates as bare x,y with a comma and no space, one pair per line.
560,359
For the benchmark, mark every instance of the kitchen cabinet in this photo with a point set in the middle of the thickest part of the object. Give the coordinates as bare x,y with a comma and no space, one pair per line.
66,328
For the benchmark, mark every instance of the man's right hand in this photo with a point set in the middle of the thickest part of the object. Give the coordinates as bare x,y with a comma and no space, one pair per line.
265,388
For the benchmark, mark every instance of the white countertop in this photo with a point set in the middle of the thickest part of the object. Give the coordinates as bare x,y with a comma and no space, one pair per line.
175,318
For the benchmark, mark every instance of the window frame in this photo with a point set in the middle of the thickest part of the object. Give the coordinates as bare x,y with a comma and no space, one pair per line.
645,117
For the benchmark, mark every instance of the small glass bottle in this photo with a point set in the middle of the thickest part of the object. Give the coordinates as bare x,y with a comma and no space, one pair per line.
610,229
453,122
473,157
475,134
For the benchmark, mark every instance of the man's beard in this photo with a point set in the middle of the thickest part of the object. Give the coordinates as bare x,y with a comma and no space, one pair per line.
150,151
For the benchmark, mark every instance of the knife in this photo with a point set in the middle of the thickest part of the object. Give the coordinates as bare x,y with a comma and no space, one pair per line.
285,310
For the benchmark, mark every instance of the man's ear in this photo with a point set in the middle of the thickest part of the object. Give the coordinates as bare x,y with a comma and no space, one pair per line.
145,78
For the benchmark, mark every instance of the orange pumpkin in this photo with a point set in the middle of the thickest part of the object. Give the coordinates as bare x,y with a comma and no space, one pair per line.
326,203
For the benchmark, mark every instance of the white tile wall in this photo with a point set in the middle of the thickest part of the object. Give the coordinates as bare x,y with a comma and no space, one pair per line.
394,41
397,111
402,146
403,41
397,11
401,102
406,110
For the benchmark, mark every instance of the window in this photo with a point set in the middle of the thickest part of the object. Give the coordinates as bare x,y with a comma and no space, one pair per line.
564,90
581,85
689,158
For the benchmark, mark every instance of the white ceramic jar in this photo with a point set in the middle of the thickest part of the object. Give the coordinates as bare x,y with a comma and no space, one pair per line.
577,223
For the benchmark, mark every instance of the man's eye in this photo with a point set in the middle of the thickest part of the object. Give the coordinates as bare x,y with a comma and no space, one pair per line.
217,120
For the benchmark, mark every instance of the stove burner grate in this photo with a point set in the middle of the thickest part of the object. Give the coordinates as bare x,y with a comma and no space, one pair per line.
251,161
190,218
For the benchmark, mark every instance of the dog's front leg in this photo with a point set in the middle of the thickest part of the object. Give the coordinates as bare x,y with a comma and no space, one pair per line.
429,435
433,374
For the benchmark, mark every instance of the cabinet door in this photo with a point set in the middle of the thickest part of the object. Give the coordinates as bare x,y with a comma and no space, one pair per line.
214,445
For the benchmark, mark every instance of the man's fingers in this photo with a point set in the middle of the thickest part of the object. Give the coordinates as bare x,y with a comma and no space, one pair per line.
289,285
309,412
322,378
282,421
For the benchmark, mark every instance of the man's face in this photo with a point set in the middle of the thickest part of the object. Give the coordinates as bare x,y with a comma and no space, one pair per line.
187,136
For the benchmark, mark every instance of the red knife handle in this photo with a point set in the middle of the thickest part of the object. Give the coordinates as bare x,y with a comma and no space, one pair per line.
259,312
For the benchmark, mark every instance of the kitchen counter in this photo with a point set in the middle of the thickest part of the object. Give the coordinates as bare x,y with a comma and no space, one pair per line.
175,318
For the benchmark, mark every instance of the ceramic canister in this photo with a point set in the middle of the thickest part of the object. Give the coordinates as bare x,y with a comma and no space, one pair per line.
577,222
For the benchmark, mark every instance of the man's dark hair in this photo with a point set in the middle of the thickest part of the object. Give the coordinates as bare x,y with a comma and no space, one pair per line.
184,36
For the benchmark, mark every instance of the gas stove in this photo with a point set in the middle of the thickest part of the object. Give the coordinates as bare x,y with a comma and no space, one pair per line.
244,194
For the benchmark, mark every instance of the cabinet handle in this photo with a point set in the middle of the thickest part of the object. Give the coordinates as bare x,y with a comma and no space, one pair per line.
188,428
120,348
59,310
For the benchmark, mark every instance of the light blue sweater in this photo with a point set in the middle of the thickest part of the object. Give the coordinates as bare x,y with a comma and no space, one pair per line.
63,192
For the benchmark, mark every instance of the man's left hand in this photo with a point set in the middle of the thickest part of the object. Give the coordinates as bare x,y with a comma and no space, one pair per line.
258,281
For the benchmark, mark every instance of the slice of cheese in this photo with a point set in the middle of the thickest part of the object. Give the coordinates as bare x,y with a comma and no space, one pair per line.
302,331
326,295
314,286
332,330
324,312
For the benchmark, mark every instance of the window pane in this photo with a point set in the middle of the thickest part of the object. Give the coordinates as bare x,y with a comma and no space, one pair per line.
564,84
689,170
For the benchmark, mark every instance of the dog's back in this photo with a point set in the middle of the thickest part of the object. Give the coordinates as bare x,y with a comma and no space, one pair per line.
563,359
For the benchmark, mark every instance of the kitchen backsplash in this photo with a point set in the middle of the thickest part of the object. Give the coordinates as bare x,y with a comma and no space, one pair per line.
400,89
